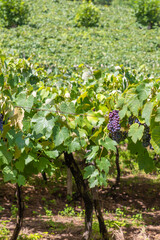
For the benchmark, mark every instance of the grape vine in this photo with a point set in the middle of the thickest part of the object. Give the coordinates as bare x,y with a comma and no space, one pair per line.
56,116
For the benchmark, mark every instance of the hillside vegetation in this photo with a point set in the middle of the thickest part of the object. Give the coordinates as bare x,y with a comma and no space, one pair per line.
51,37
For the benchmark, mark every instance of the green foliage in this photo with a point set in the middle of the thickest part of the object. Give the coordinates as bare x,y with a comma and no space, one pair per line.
136,132
48,212
13,12
110,44
125,218
80,213
68,211
1,208
63,118
4,231
35,236
147,12
14,211
103,2
88,15
137,217
47,113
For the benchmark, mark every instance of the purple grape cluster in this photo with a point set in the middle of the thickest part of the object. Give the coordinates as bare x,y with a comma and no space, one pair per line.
137,121
132,120
116,136
114,125
1,122
146,136
119,136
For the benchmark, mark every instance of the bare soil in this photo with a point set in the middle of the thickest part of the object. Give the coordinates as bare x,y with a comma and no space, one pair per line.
136,195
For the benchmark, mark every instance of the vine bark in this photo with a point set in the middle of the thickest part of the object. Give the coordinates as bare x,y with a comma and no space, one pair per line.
91,200
84,191
99,215
20,205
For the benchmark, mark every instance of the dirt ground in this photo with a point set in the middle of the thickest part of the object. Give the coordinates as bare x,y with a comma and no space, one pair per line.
133,210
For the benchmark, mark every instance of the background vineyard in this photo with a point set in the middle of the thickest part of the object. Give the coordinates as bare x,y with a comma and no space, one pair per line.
50,37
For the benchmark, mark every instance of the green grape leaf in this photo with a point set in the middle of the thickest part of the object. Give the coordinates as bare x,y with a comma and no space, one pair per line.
102,179
97,135
68,108
16,139
158,96
143,91
74,145
29,158
134,148
136,132
25,102
147,111
52,154
93,119
123,112
88,171
8,93
120,103
145,162
20,164
41,164
60,135
155,139
92,153
21,99
108,144
157,118
1,80
5,156
103,164
93,182
95,173
82,133
21,180
19,141
9,174
11,136
93,179
51,123
43,124
44,93
134,105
